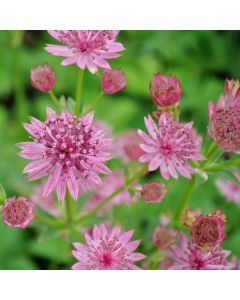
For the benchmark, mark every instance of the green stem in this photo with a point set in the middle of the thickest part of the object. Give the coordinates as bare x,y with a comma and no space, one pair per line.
79,91
94,102
47,221
54,98
185,198
94,211
225,165
211,151
70,209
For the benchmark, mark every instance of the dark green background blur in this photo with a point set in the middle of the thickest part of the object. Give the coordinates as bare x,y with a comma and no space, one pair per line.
201,60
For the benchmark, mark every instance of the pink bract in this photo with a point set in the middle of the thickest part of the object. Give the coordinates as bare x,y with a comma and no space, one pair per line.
170,146
186,256
153,192
165,90
110,184
113,81
18,212
107,250
43,78
88,49
71,151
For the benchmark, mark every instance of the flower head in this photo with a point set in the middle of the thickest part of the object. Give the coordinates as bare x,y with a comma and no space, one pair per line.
224,125
43,78
165,90
113,81
230,189
18,212
153,192
169,146
186,256
67,149
207,231
163,237
107,250
110,184
87,48
128,146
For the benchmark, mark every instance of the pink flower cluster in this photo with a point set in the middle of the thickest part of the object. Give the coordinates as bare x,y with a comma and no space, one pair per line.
107,250
89,49
71,151
170,146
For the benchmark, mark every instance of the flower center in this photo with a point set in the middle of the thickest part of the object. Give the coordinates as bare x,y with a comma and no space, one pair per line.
17,212
205,232
106,260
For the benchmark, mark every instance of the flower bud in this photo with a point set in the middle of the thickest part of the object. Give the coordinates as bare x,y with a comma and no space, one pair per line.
165,90
113,81
43,78
207,231
18,212
189,216
153,192
163,237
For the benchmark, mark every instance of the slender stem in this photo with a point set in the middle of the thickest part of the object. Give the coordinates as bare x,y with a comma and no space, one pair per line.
92,212
79,91
225,165
70,211
54,98
47,221
185,198
212,149
94,102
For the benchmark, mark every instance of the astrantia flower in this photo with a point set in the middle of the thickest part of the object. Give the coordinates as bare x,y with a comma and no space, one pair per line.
163,237
107,250
187,256
110,184
87,48
113,81
170,146
165,90
67,149
18,212
208,231
43,78
224,125
230,189
128,146
46,203
153,192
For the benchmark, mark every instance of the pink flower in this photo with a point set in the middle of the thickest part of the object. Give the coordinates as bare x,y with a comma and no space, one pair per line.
113,81
87,48
18,212
224,125
107,250
169,146
46,203
153,192
67,149
207,231
110,184
163,237
128,146
43,78
230,189
186,256
165,90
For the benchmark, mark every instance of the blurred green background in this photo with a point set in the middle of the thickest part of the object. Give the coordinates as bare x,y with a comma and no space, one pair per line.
201,60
